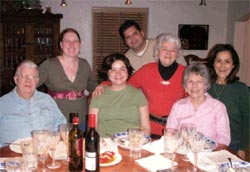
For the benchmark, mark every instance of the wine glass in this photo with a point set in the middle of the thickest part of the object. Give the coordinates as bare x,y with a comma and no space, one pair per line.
187,131
64,131
197,144
41,144
172,141
54,138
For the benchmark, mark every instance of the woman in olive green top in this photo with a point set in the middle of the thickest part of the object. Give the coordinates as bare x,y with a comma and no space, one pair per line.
121,106
67,77
224,64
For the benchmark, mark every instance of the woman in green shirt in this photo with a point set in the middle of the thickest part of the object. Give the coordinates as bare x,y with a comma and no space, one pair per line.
121,106
223,62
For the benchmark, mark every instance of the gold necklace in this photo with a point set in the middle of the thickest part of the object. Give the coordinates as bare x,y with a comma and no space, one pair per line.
220,92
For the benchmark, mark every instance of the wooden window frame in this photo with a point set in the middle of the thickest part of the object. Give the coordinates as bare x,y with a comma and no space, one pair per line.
106,38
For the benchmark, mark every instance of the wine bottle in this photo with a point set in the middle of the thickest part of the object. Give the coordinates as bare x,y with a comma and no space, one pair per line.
75,147
92,149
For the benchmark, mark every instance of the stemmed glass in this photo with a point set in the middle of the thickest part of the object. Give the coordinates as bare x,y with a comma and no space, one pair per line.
54,138
64,131
172,141
187,131
197,144
41,144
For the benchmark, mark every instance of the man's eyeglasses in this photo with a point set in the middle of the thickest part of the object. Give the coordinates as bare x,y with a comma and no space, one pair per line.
27,77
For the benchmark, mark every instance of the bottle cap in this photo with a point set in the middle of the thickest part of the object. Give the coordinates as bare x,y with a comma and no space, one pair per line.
92,120
75,120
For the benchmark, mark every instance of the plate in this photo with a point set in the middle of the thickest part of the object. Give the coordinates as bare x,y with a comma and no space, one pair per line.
122,139
117,159
16,145
210,144
244,166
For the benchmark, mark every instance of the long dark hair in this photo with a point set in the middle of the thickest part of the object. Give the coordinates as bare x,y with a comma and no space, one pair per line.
107,64
236,62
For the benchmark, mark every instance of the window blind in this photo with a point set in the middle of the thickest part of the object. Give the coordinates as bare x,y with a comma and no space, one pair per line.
106,38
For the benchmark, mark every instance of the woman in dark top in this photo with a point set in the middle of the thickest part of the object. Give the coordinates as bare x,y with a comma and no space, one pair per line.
223,62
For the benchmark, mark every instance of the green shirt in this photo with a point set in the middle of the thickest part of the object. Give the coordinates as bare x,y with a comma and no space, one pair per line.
118,110
236,98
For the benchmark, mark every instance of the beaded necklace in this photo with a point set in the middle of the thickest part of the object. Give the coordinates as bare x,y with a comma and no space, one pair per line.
219,92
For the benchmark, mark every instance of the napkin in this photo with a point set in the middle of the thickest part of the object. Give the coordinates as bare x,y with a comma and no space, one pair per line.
106,144
156,147
60,152
155,162
210,161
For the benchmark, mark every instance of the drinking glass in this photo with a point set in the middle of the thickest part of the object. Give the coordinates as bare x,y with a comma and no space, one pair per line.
41,144
29,155
54,137
197,144
64,131
172,141
135,142
187,131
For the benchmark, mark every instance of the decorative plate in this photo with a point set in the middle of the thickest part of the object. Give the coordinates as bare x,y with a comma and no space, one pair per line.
238,165
210,144
117,160
122,139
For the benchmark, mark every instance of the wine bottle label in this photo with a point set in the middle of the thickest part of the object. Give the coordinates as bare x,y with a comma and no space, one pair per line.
77,146
90,161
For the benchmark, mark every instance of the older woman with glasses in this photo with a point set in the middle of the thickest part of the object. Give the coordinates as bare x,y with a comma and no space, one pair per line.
207,114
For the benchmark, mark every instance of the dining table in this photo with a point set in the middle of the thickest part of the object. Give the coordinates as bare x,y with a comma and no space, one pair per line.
127,164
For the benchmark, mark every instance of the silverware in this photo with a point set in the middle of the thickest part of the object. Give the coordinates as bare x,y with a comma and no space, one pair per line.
115,139
230,162
230,169
103,141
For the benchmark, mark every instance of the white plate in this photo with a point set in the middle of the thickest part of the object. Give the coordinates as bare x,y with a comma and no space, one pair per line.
16,145
123,136
117,159
237,165
210,144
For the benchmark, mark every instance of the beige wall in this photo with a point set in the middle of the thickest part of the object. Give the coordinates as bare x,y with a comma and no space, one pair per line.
164,16
241,44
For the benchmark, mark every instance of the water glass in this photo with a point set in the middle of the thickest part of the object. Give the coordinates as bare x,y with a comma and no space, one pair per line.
54,138
187,131
172,141
41,144
64,132
29,155
135,142
197,144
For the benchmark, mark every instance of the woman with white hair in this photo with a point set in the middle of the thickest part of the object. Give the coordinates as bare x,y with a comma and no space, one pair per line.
161,81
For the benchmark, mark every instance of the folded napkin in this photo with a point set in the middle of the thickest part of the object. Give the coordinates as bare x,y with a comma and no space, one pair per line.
155,162
210,161
156,147
60,152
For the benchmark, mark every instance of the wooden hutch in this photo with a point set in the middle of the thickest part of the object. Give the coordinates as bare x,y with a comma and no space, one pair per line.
26,34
